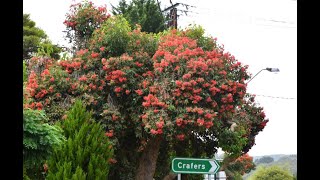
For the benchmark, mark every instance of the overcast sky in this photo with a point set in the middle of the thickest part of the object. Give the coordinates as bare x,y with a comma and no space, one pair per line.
259,33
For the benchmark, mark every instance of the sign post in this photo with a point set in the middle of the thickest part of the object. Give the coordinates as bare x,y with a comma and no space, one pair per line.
194,166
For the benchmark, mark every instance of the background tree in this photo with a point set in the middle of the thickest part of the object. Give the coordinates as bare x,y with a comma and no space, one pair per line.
146,13
46,48
271,173
264,159
152,92
87,152
35,38
32,36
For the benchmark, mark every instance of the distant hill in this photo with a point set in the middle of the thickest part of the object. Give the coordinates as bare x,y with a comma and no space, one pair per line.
275,157
287,161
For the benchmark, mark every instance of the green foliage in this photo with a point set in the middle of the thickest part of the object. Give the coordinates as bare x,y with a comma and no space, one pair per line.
38,140
114,35
142,42
86,153
46,48
197,32
143,12
288,162
32,36
233,141
25,175
271,173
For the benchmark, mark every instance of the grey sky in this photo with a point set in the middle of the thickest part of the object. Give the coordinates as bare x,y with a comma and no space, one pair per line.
259,33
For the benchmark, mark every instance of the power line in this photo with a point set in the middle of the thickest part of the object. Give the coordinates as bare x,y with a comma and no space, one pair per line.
253,20
275,97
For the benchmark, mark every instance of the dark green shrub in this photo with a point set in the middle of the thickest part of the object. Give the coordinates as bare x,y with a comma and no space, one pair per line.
86,153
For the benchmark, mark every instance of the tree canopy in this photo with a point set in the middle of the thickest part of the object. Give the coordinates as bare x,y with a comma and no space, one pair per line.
35,40
264,159
271,173
146,13
32,36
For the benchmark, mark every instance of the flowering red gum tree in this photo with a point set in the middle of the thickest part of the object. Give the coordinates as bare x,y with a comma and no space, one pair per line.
82,20
236,167
150,90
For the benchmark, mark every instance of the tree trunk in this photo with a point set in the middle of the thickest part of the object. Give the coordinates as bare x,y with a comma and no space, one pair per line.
148,160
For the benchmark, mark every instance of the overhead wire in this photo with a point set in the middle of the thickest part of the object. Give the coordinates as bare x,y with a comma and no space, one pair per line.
277,97
253,20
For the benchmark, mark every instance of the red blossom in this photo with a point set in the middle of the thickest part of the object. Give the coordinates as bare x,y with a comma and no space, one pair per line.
114,117
94,55
112,161
145,116
160,124
208,116
109,133
179,121
180,137
186,76
139,92
154,132
200,122
117,89
208,124
93,76
138,64
263,123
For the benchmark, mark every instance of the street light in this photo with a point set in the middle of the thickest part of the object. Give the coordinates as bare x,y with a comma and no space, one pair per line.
268,69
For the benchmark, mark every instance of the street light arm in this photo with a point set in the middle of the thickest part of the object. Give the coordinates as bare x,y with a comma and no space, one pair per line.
255,75
268,69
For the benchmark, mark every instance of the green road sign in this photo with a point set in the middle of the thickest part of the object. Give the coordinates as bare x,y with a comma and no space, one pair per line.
195,166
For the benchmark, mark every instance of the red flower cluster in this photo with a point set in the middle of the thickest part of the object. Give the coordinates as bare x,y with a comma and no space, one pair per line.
70,66
117,76
153,101
109,133
180,137
32,83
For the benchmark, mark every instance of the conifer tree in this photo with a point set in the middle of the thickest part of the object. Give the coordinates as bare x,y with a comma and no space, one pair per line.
87,151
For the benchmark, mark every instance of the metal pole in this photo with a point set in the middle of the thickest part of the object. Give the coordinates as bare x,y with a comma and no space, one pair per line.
255,75
179,176
209,176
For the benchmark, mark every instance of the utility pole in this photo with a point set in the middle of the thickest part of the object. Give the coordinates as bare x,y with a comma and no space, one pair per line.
171,16
171,13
